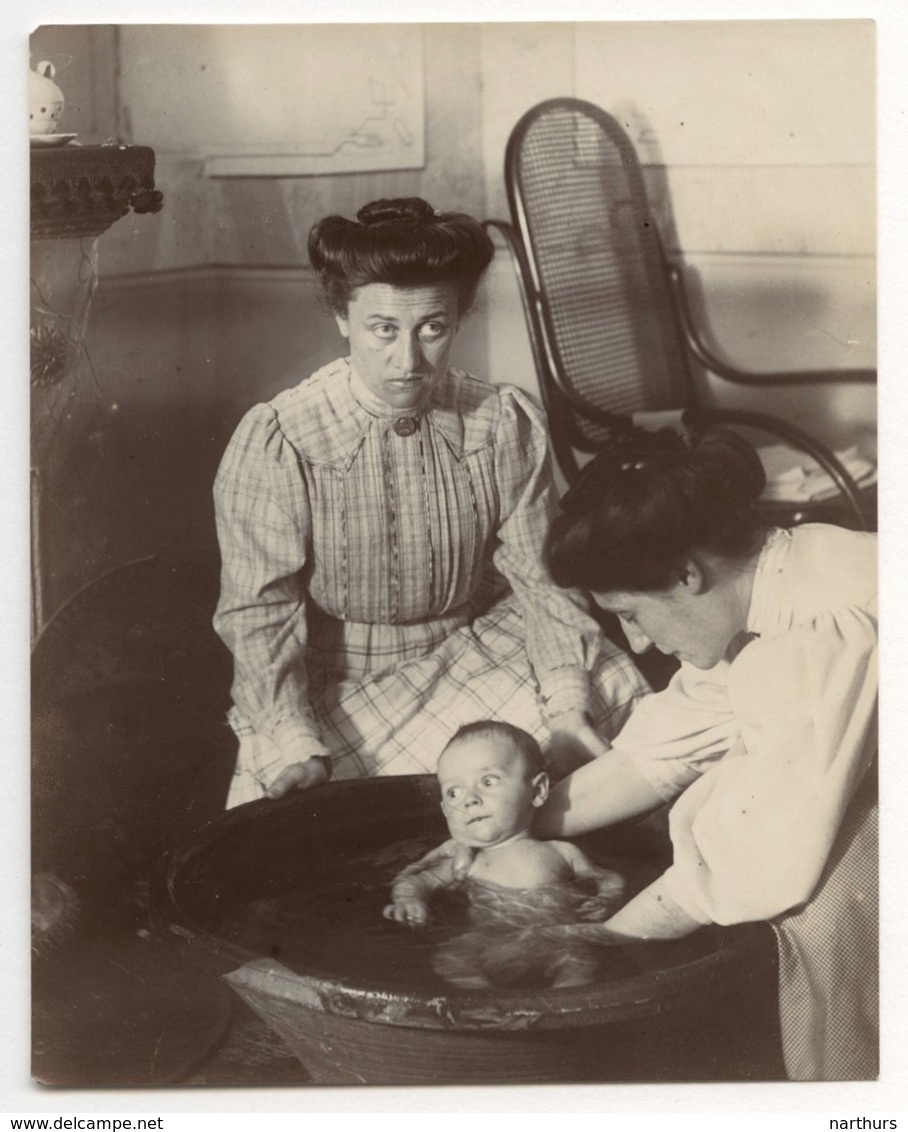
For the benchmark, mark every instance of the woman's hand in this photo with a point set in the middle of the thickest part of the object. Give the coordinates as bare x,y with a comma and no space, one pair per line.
573,743
300,776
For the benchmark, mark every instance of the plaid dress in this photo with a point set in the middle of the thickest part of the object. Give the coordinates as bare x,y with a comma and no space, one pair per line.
382,580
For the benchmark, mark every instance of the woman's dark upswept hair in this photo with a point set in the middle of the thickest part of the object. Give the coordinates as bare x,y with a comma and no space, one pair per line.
404,243
640,508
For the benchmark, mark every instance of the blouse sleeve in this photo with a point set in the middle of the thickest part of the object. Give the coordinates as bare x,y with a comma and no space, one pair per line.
563,641
263,524
675,735
752,836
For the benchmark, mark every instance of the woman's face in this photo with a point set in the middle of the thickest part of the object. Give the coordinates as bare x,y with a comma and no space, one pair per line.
400,339
693,624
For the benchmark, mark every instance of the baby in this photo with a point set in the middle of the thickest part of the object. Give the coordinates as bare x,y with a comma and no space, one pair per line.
492,778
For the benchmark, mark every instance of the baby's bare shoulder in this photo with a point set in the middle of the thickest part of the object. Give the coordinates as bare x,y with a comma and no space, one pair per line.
574,856
554,854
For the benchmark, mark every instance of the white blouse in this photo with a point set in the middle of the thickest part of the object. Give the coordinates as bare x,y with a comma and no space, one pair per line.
767,750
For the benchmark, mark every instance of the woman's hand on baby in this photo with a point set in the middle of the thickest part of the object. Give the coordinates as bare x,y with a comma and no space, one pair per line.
574,742
300,776
408,910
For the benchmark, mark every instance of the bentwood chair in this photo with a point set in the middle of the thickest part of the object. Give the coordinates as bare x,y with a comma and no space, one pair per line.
609,321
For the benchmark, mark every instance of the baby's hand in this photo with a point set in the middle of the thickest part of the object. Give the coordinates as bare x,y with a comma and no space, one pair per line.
462,861
450,854
410,910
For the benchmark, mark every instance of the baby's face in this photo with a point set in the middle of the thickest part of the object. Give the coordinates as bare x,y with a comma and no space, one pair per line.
487,791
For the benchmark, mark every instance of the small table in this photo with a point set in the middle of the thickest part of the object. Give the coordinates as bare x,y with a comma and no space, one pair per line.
80,190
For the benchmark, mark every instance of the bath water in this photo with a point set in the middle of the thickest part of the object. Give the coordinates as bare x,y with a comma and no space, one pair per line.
335,929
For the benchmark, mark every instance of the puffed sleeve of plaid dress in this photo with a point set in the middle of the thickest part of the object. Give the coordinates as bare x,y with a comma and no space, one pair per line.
563,642
263,523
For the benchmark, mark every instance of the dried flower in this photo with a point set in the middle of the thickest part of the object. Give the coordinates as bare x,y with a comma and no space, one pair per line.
49,350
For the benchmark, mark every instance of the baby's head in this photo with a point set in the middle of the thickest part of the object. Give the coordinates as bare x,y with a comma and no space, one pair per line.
492,776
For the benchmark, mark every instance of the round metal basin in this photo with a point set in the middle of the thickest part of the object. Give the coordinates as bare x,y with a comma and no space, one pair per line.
284,899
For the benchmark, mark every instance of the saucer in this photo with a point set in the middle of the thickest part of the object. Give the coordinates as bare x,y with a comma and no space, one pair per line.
51,139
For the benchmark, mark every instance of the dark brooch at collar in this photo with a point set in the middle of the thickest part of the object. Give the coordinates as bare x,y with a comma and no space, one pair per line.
405,426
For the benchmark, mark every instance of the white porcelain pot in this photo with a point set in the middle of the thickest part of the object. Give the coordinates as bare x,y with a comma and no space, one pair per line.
45,100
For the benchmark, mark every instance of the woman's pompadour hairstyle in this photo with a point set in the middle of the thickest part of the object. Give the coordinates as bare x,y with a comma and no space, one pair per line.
404,243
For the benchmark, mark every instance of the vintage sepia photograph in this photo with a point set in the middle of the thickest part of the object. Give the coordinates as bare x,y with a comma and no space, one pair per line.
453,553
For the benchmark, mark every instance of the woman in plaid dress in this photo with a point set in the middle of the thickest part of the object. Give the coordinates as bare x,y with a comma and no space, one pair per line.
381,528
765,740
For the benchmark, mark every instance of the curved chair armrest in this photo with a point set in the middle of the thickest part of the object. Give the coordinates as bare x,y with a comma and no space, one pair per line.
525,285
709,361
697,420
508,233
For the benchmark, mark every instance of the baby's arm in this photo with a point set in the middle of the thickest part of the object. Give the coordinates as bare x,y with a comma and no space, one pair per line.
413,886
